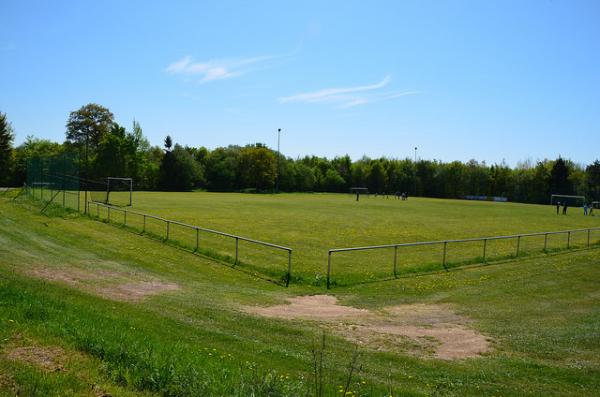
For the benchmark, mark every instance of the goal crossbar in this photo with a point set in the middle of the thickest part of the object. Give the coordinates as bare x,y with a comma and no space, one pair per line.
566,196
110,187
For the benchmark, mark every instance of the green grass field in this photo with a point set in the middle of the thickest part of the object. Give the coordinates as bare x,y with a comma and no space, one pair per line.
66,283
311,224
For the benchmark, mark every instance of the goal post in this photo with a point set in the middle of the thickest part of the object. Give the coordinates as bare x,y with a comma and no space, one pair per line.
119,191
596,204
571,200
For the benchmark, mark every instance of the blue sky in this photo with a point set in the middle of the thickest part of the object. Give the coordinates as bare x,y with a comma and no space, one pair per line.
488,80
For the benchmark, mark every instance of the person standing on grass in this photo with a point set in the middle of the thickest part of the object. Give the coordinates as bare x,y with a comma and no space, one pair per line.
557,207
565,208
585,209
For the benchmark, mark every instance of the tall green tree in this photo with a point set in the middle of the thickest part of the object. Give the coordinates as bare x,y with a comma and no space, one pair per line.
258,167
88,124
592,174
32,147
6,149
559,178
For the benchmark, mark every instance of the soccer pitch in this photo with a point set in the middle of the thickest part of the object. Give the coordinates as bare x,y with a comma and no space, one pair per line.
311,224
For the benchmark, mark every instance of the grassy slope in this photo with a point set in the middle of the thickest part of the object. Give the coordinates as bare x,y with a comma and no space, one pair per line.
542,312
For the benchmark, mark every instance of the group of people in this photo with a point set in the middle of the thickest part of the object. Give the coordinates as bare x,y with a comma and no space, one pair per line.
587,209
402,195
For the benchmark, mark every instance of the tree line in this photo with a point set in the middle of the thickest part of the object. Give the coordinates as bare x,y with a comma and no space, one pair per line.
109,149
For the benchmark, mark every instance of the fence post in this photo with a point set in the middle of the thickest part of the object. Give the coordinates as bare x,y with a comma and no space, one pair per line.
568,239
289,272
125,218
545,242
444,256
108,214
168,226
484,248
518,245
144,227
588,240
237,243
395,261
328,270
197,239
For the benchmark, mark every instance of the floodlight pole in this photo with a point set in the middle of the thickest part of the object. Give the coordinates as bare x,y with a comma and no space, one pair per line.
415,170
278,160
86,174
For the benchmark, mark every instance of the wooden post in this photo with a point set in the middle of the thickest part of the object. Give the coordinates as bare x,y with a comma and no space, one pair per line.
144,227
108,214
168,226
197,239
588,238
568,239
545,242
518,244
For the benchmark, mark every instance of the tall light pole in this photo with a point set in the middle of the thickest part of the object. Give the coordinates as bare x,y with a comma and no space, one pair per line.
278,156
415,170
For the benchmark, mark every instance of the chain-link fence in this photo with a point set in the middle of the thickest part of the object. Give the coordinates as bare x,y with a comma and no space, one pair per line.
55,179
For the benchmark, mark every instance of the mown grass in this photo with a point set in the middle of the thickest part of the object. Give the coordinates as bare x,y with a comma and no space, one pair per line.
542,313
312,224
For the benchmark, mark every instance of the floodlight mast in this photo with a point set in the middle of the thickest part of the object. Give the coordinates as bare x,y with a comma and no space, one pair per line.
278,160
415,170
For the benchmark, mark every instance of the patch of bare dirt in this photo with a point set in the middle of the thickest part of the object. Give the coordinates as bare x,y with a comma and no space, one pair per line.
136,291
7,383
49,358
420,329
312,307
107,283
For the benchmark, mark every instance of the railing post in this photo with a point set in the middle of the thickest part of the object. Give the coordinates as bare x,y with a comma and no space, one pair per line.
168,226
484,248
545,242
237,243
144,227
289,272
588,239
108,214
63,197
125,218
328,270
197,239
444,256
395,261
518,245
568,239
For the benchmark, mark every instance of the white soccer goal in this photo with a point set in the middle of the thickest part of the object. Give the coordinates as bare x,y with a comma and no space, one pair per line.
596,204
119,191
573,201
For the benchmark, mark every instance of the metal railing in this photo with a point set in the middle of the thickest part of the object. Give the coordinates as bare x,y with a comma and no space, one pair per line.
444,244
168,223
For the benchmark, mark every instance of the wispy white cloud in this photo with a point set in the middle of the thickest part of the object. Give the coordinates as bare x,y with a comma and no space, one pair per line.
346,97
216,69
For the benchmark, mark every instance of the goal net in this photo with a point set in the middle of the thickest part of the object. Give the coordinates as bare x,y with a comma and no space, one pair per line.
573,201
119,191
596,204
113,191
